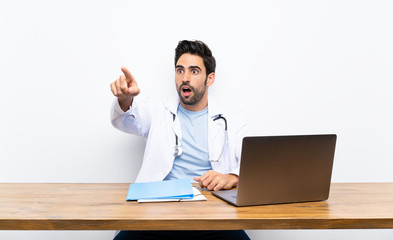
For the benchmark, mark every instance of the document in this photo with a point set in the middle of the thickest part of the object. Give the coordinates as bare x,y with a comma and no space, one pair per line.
198,196
169,189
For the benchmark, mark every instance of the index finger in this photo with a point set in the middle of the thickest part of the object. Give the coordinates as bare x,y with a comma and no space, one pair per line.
204,176
128,74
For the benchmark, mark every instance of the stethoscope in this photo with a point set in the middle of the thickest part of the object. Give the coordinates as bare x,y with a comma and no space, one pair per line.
178,150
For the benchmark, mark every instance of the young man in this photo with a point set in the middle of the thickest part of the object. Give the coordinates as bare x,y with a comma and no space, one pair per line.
191,135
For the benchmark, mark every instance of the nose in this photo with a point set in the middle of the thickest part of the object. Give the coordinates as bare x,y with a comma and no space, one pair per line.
186,76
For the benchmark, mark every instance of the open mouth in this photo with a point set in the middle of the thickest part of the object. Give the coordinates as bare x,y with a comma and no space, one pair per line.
186,91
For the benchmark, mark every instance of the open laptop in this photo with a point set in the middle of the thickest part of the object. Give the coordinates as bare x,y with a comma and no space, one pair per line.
283,169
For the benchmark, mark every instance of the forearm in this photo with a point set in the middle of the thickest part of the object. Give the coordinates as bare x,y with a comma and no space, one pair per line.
136,120
124,120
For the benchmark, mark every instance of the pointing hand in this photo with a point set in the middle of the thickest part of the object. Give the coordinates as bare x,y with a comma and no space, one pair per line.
125,88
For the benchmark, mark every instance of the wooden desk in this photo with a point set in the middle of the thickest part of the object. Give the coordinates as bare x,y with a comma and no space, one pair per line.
52,206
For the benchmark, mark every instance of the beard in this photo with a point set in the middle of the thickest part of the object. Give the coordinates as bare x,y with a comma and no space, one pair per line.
198,93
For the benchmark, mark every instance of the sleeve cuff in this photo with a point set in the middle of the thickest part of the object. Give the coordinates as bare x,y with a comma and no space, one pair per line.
119,111
235,171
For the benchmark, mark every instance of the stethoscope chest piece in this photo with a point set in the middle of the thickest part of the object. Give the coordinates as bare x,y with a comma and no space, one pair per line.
177,151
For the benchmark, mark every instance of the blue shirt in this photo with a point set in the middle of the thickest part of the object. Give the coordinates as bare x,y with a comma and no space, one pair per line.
194,161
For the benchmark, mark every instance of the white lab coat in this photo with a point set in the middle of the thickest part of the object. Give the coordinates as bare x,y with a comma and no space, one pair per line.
153,120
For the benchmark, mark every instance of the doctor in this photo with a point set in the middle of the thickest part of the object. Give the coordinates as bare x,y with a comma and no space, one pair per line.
188,136
191,135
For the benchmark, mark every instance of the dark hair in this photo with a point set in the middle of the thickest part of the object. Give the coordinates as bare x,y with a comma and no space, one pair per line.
197,48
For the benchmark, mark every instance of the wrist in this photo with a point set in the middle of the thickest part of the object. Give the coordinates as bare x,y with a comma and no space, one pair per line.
125,103
235,178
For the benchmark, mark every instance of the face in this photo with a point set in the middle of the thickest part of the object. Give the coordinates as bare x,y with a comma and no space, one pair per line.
191,80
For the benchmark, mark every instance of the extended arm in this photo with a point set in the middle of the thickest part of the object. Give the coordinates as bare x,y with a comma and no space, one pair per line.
128,114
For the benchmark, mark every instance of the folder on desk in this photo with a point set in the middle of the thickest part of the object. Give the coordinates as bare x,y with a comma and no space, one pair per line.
177,188
198,196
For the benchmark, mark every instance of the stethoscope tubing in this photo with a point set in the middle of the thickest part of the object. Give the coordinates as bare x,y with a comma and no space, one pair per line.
177,150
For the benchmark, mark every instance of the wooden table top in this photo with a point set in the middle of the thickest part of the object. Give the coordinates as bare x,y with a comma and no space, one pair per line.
60,206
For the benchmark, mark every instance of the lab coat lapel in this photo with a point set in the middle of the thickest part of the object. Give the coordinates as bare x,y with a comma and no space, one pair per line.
214,131
172,104
177,129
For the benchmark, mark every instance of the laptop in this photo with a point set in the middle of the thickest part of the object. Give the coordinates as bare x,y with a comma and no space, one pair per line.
283,169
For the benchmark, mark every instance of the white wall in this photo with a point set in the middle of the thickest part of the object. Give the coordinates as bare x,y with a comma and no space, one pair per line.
297,67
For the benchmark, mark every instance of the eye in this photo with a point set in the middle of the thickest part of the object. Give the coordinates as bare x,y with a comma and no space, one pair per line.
180,70
195,71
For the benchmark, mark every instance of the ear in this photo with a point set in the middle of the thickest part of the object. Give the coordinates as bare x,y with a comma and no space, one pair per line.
210,79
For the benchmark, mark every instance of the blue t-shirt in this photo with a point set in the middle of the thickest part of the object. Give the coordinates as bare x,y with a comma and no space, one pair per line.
194,161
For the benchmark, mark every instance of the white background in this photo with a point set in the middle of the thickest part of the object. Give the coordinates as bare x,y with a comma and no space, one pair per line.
296,67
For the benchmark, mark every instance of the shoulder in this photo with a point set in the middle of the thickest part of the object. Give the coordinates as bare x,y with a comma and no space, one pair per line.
232,112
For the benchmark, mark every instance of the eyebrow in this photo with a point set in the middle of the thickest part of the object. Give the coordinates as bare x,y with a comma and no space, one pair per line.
190,67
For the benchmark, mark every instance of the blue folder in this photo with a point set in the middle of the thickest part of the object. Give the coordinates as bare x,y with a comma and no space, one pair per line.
177,188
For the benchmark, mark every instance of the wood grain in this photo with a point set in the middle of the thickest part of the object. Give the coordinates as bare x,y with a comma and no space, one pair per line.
58,206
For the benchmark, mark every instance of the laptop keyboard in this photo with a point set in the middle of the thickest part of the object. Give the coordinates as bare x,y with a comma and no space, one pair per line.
234,192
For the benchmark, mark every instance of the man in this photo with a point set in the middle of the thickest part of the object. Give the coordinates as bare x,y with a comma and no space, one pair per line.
188,136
